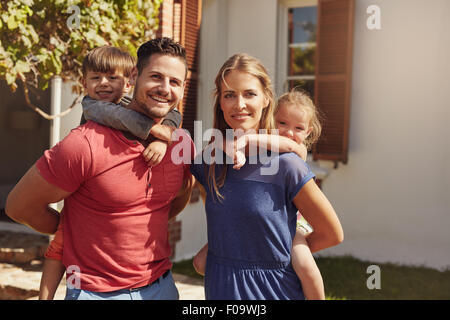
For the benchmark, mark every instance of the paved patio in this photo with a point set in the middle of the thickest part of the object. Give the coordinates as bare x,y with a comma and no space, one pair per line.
21,264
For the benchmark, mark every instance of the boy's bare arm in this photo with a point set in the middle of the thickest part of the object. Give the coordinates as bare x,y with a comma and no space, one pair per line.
162,132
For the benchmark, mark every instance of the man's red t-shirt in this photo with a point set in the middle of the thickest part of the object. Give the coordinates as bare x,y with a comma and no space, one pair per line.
116,219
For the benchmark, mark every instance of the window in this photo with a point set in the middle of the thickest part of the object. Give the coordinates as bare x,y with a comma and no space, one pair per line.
315,42
302,28
297,30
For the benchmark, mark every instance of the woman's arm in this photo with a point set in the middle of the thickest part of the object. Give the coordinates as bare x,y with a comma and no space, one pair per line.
317,210
182,198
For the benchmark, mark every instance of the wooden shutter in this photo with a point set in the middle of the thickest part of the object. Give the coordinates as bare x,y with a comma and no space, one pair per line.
333,77
191,14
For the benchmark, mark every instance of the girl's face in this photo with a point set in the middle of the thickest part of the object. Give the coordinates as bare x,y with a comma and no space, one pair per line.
293,122
242,100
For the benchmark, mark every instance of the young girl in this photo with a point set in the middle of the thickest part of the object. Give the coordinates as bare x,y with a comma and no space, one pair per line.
296,118
250,216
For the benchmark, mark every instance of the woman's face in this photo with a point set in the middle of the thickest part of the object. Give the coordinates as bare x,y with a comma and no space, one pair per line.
242,100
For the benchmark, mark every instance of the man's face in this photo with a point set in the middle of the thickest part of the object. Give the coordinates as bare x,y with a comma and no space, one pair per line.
160,86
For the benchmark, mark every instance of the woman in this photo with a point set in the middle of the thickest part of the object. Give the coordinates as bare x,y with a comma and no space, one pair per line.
251,217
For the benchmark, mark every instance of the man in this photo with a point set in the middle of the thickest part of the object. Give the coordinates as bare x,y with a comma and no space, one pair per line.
116,208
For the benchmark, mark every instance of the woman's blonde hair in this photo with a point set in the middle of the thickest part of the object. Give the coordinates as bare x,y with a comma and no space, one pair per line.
244,63
301,99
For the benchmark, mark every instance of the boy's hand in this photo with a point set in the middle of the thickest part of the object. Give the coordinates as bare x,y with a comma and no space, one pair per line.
155,152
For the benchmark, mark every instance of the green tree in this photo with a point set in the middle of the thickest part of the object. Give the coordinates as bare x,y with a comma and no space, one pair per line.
40,39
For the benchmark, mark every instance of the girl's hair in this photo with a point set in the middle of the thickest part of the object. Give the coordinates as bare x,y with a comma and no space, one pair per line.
301,99
244,63
108,59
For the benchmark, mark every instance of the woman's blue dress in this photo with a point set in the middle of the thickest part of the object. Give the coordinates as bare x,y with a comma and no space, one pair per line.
250,231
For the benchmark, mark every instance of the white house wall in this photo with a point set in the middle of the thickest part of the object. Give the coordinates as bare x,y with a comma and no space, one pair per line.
393,195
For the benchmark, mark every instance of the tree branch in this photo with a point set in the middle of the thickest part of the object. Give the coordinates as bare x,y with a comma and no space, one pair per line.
39,110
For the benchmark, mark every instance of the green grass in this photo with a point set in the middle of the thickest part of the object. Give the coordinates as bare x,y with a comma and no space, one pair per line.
345,278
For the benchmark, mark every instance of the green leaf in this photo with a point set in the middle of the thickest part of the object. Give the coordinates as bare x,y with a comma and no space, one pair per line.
22,66
10,78
12,23
39,29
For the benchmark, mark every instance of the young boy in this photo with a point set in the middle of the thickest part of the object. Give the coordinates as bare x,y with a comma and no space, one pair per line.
106,72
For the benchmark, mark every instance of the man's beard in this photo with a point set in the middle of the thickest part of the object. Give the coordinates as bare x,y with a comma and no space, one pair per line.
154,112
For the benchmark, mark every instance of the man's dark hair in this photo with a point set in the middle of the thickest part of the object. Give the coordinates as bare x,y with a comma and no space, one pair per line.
165,46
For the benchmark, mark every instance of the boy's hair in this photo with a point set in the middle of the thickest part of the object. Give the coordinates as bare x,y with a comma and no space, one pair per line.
165,46
108,59
301,99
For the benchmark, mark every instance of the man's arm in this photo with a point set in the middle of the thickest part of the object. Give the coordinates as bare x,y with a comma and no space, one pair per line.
182,198
28,202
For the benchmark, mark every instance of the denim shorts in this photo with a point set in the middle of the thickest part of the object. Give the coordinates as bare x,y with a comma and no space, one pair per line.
162,289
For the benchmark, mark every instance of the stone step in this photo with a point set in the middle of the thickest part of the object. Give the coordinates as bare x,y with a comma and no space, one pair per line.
19,248
22,281
21,261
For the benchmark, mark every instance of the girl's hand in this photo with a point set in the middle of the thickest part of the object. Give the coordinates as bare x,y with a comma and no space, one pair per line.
302,152
155,152
239,152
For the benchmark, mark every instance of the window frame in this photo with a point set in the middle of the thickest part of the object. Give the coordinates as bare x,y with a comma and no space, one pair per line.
282,76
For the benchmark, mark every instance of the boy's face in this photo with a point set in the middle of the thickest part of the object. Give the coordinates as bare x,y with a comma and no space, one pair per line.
293,122
108,87
159,88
